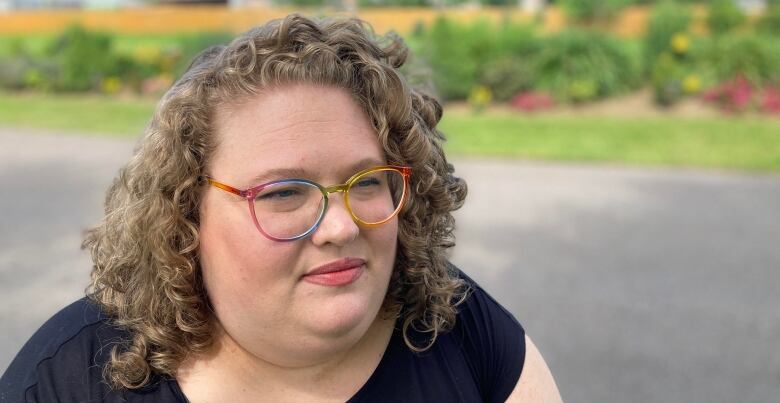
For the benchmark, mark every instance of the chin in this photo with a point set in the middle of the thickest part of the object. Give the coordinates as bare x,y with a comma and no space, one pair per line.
344,316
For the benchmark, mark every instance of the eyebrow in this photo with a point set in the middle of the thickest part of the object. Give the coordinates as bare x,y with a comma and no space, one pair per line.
300,173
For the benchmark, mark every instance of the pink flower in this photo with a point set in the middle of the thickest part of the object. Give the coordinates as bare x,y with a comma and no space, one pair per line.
771,100
731,96
530,101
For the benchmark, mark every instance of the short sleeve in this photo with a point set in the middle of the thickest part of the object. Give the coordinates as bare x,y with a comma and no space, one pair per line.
64,360
27,371
493,342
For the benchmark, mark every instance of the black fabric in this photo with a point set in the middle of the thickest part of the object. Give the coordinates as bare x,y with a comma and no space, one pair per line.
479,360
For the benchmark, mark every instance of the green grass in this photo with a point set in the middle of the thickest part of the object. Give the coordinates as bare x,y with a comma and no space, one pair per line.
92,114
723,143
742,143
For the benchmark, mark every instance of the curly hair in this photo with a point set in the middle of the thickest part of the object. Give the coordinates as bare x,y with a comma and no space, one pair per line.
146,274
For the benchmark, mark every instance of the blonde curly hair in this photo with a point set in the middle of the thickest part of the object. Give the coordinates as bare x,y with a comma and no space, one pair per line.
146,274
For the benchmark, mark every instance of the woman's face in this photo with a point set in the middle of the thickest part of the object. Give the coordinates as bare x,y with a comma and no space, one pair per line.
259,288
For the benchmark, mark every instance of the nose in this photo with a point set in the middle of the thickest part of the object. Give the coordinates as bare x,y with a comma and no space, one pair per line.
337,226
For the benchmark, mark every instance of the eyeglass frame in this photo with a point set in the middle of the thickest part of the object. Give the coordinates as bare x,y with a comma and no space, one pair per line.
250,194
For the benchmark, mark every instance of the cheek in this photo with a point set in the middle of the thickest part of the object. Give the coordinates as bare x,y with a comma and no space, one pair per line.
384,241
231,250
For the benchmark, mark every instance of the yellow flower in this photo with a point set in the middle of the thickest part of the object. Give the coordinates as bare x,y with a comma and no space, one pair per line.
111,85
480,97
680,43
691,84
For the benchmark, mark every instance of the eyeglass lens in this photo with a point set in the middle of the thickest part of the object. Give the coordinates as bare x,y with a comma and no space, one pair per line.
291,208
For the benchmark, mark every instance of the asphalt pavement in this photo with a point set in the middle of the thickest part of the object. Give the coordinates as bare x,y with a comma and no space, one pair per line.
638,285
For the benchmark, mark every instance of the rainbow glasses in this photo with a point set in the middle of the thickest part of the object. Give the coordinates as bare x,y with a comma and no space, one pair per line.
290,209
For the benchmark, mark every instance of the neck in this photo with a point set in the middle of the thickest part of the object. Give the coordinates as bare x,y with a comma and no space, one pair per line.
229,368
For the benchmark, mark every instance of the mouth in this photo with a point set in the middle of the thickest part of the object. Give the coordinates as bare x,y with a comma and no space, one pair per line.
337,273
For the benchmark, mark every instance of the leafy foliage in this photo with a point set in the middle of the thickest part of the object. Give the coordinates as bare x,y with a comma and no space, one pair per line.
82,58
769,23
509,76
724,16
585,65
754,57
461,55
667,20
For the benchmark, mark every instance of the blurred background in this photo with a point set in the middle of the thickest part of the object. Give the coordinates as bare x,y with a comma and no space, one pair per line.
623,160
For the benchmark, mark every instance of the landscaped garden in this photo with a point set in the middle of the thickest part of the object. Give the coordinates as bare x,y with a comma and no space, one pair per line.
699,87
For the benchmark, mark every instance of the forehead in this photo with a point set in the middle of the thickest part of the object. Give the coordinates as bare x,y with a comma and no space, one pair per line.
310,128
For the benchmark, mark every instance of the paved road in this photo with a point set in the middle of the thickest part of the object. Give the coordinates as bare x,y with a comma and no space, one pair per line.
637,285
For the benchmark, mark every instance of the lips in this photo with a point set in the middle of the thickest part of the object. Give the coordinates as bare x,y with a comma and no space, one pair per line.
337,273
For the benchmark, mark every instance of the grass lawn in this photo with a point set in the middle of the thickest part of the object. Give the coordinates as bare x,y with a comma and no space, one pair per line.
742,143
92,114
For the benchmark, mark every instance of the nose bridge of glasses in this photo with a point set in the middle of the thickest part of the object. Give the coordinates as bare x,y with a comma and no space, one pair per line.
342,188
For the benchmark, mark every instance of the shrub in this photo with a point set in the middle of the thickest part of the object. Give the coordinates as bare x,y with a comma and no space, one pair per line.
82,58
447,49
769,23
12,73
731,96
724,16
770,102
508,76
22,69
754,57
584,65
667,80
464,56
530,101
667,20
739,94
515,40
479,98
512,66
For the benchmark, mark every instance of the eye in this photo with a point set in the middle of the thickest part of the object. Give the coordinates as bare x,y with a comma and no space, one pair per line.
366,182
283,193
279,194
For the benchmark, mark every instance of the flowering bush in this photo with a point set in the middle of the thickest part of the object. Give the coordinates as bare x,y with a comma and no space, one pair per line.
731,96
667,27
480,97
530,101
581,66
509,75
754,57
770,103
739,94
691,84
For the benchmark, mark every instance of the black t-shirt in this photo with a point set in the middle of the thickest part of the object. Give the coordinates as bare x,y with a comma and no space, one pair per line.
480,359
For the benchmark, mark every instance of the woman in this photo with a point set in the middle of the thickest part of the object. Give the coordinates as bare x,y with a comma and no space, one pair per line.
280,236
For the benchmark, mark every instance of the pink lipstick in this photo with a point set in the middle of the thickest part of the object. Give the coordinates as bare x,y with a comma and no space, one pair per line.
337,273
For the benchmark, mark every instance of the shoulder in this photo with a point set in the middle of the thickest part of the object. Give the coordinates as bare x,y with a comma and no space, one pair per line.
64,359
536,384
483,313
63,349
518,371
492,340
